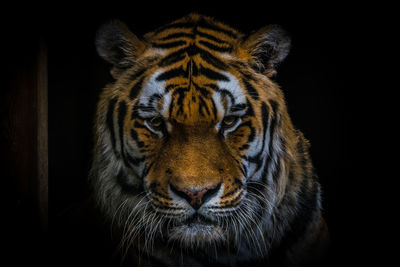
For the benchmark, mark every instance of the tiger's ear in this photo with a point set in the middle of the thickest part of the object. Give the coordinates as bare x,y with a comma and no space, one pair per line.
267,47
117,45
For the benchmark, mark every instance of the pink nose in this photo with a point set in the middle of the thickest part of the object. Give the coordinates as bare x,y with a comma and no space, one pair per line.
196,197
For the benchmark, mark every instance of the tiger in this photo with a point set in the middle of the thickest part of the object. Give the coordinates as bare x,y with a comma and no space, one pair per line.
196,161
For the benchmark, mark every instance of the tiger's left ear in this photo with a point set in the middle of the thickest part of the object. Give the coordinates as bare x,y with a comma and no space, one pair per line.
266,48
116,44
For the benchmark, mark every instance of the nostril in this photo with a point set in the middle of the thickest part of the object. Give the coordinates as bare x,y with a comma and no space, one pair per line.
196,197
181,193
210,193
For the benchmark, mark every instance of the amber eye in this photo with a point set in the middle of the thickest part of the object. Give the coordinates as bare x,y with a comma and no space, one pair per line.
156,122
229,121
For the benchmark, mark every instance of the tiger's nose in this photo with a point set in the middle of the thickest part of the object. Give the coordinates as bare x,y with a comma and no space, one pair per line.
196,197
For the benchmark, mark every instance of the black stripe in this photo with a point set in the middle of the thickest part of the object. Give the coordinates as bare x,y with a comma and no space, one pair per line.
171,106
251,90
211,37
223,92
145,108
134,160
182,93
250,110
257,158
177,35
110,120
272,126
136,89
135,137
238,107
121,118
213,75
135,112
192,50
136,75
152,188
153,97
243,147
173,73
251,135
126,184
274,107
169,87
203,104
137,124
239,196
173,58
264,173
169,44
238,182
248,76
202,90
243,169
214,108
147,169
275,174
238,64
182,25
158,194
215,47
209,58
204,24
194,68
230,193
265,116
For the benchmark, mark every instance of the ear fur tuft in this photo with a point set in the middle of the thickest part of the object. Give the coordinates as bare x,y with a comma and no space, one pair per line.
117,45
267,48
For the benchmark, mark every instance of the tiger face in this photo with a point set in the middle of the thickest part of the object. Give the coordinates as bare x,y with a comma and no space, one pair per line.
195,138
193,142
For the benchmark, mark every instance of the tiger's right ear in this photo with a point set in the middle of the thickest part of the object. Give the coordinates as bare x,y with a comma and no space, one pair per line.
266,48
119,46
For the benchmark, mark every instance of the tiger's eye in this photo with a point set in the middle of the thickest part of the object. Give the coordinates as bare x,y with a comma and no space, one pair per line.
229,121
156,122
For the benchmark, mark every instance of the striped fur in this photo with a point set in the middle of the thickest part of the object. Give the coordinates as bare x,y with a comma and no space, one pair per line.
196,161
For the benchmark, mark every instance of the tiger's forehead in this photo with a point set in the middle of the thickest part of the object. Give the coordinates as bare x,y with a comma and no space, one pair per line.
191,99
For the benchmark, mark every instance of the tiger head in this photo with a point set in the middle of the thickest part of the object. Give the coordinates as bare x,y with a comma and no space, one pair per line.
193,137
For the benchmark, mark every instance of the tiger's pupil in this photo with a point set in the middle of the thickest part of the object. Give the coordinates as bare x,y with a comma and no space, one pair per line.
156,122
228,121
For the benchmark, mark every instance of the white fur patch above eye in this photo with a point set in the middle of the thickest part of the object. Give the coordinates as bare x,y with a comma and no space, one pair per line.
151,87
233,86
218,104
165,106
236,98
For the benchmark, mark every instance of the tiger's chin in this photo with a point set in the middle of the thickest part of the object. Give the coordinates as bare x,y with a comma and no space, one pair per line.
197,233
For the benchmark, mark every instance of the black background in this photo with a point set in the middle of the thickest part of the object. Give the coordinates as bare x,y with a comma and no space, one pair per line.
317,78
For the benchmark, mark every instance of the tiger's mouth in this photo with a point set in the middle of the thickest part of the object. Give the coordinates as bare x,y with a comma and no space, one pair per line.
197,230
198,220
